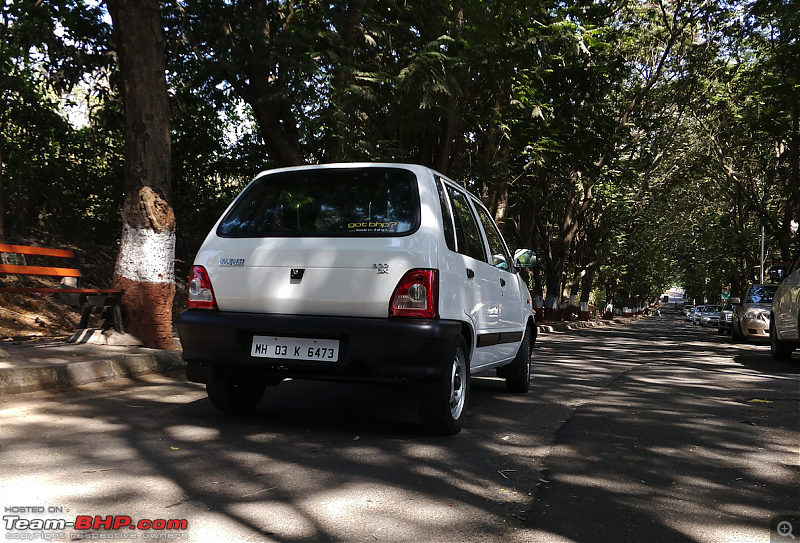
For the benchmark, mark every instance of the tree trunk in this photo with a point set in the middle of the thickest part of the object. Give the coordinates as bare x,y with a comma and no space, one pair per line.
2,201
554,274
792,213
587,281
501,207
580,196
146,260
279,136
343,77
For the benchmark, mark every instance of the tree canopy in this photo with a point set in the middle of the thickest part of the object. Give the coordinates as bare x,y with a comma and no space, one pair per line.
633,145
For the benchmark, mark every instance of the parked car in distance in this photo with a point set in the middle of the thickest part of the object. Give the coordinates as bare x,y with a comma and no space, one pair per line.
688,309
710,316
697,313
784,330
725,318
751,313
381,273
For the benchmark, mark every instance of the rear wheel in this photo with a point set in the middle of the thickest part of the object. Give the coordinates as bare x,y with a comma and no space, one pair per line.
780,350
235,394
518,373
445,413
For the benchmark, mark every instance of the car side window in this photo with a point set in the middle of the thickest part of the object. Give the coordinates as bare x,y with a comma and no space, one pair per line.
447,217
500,257
469,238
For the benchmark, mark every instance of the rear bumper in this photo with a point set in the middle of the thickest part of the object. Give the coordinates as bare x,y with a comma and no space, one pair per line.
379,349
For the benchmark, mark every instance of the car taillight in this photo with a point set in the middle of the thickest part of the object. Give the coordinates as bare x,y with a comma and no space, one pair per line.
201,294
416,295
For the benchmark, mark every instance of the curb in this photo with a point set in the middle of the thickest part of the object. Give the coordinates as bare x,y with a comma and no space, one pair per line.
31,379
574,325
43,376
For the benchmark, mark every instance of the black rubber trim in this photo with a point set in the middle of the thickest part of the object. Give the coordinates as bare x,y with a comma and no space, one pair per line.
510,337
487,340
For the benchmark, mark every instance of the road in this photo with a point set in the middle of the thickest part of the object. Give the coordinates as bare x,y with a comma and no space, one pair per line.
650,431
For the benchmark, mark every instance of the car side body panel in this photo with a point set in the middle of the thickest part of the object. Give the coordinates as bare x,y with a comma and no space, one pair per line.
786,305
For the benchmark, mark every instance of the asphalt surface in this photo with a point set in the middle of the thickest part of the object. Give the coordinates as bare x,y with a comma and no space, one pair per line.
28,365
650,431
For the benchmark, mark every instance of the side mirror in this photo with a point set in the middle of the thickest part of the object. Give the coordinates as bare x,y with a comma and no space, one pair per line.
736,301
524,258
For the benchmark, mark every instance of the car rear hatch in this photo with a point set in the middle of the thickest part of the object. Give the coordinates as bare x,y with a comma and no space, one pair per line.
318,241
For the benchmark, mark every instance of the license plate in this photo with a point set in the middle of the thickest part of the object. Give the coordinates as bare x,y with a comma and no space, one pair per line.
295,348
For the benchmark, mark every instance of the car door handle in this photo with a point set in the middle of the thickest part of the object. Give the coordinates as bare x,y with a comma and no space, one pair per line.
502,282
470,273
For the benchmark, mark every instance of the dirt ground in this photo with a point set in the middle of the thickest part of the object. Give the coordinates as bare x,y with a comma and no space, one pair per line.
32,315
36,315
26,316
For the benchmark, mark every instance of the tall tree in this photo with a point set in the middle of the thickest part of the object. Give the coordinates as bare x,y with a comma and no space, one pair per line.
145,265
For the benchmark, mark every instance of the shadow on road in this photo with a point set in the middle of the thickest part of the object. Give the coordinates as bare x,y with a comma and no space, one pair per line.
696,441
644,432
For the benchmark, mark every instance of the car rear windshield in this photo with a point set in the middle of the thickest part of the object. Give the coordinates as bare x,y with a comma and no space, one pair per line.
761,294
326,202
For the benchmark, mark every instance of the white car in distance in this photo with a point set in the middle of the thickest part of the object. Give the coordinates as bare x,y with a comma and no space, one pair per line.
385,273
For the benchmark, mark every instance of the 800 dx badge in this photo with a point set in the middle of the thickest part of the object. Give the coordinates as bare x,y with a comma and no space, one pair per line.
231,262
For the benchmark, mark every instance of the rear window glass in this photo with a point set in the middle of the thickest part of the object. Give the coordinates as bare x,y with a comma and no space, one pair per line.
326,202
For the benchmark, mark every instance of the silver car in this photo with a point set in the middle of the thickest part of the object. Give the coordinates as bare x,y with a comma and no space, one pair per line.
751,313
710,316
695,315
725,318
785,330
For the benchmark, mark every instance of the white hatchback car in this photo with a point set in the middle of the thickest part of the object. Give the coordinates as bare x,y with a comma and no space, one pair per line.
784,318
362,272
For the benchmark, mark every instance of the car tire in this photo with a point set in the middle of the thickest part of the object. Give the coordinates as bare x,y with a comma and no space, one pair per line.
235,395
444,414
780,350
518,373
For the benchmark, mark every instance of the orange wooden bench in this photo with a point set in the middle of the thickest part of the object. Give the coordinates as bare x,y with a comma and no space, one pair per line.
112,297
